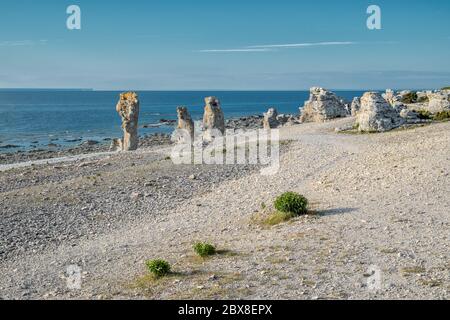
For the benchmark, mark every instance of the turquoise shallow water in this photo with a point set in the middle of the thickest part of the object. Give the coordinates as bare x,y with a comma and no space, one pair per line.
35,118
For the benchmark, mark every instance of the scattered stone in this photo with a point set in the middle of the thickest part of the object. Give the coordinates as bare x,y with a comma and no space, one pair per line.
250,123
136,196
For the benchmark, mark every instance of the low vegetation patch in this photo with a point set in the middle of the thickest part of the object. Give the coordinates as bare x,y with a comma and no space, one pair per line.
423,99
410,98
446,88
442,116
204,249
278,217
159,268
412,270
424,115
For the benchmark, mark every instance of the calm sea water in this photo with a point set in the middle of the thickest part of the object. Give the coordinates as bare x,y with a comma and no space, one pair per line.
35,118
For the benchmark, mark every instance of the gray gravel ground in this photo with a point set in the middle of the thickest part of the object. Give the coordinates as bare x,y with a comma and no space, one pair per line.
380,201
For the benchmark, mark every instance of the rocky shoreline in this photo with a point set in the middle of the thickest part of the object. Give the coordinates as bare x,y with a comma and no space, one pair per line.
374,112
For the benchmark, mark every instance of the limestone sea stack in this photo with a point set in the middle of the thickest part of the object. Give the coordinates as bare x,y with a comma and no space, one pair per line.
128,109
271,119
213,118
322,105
185,122
376,114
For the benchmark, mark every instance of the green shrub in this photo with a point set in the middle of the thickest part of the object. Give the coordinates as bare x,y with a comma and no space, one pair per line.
204,249
291,202
424,115
446,88
441,116
159,268
410,98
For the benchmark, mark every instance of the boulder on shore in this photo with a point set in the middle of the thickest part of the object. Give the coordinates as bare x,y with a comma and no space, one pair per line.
322,105
376,115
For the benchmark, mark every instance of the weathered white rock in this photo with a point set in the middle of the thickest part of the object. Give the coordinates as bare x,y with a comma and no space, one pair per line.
393,98
322,105
356,106
271,119
186,123
376,115
213,118
128,109
438,102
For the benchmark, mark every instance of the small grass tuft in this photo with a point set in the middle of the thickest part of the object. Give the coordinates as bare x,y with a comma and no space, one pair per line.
204,249
159,268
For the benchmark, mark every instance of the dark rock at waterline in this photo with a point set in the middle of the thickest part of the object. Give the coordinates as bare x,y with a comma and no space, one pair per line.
166,121
9,146
250,122
52,145
73,140
89,143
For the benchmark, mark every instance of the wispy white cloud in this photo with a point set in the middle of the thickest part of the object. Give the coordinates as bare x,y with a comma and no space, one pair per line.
21,43
236,50
306,44
273,47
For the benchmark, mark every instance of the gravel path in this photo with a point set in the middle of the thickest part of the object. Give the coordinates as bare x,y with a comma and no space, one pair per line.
381,203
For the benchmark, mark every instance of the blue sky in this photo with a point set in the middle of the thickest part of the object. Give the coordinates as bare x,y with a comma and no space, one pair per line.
226,44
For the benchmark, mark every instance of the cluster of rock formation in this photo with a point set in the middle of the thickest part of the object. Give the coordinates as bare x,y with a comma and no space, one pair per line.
375,112
128,110
323,105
